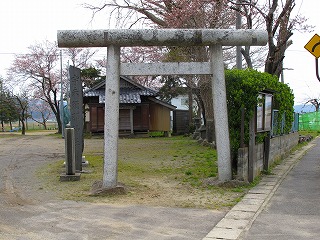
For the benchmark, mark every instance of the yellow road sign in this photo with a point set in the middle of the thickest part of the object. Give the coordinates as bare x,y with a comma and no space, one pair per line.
313,46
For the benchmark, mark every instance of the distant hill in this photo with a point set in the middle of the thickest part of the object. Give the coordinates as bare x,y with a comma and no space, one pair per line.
304,108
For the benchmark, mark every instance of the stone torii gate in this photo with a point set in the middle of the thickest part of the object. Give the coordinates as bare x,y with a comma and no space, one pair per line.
114,39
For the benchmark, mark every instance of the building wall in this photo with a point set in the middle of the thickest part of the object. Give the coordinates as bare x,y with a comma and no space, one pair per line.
180,121
146,117
159,117
141,120
124,120
96,118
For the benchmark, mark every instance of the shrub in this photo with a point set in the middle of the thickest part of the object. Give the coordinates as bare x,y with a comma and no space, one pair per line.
243,87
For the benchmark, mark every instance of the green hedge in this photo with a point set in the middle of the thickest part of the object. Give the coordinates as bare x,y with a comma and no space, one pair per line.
243,87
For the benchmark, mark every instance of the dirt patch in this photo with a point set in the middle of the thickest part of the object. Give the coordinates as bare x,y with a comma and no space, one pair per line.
20,158
155,172
168,193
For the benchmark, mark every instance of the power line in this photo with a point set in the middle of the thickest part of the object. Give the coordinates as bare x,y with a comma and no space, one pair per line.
300,6
31,54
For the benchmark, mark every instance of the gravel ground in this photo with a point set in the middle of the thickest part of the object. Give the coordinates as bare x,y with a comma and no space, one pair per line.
20,157
28,211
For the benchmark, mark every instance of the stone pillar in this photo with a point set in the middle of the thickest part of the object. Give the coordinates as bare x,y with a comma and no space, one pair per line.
111,127
210,132
242,164
221,113
197,122
76,113
70,156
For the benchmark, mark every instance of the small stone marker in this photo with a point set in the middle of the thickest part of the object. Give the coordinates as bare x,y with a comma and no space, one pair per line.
70,174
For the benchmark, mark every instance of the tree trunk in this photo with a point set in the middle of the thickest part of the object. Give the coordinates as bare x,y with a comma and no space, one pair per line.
23,126
59,125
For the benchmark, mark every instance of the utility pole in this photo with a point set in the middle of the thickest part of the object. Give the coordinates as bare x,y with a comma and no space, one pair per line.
238,26
61,97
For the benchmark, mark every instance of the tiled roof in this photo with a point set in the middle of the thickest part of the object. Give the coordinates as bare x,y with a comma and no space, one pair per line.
96,93
128,93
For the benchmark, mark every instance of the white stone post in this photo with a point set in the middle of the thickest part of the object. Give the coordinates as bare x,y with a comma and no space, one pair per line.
220,113
111,118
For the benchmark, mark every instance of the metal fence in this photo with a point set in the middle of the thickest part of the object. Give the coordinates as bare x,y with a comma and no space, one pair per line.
31,125
295,124
279,126
309,121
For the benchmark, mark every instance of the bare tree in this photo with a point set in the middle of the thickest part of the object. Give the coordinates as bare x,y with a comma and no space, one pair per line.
315,102
80,57
22,106
17,102
43,109
38,71
276,16
273,15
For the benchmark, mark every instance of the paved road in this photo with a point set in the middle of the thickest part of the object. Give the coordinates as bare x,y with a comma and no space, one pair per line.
294,209
26,212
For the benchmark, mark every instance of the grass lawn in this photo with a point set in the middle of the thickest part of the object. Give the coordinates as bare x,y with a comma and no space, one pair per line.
156,171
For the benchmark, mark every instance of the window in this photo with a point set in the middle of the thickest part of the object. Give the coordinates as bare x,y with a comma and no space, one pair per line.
260,113
264,112
184,101
268,112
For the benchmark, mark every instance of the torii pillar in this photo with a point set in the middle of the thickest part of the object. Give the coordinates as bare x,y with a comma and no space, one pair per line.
114,39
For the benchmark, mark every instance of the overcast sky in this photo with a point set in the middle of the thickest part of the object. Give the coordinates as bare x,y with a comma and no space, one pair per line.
26,22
